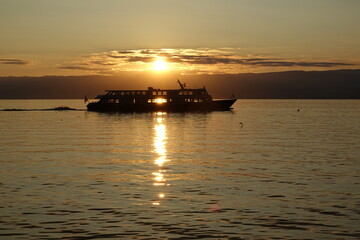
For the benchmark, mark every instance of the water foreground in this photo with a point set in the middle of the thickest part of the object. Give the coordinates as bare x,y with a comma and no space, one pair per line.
262,171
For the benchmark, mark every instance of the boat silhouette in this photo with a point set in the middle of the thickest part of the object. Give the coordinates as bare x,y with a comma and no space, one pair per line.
154,100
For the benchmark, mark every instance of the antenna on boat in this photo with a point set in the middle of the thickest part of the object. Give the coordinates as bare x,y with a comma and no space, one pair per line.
182,85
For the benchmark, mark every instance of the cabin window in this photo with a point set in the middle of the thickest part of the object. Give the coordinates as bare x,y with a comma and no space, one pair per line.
154,93
143,93
160,100
186,93
164,92
157,100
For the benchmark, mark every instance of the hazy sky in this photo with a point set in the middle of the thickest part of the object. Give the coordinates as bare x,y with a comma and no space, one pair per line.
78,37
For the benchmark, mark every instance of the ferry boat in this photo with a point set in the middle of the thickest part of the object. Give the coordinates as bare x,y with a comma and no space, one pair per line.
154,100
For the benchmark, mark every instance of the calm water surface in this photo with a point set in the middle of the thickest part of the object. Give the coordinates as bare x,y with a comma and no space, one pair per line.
261,171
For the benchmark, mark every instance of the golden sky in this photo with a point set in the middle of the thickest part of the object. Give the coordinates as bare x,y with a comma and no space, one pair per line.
67,37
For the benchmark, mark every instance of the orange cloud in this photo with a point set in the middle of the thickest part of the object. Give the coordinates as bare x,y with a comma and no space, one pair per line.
190,61
13,61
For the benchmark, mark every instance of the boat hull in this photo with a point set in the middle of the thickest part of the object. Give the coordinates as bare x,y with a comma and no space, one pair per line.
216,105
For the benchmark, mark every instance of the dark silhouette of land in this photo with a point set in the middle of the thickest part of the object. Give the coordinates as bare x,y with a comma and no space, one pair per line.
336,84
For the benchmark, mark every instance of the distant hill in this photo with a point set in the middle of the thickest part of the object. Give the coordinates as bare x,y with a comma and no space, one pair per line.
295,84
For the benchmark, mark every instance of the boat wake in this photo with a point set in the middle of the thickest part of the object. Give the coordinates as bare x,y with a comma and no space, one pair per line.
62,108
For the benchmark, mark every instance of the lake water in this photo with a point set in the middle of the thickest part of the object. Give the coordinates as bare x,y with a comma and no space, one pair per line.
262,171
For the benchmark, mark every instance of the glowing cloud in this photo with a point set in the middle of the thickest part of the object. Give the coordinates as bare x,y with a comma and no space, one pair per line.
193,61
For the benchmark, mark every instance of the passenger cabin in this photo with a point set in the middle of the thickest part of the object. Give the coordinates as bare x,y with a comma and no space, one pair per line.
155,96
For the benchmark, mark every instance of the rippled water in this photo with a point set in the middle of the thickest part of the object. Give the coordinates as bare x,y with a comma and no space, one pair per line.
262,171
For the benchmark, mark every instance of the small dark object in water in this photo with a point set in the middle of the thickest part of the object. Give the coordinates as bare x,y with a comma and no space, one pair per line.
298,110
242,125
62,108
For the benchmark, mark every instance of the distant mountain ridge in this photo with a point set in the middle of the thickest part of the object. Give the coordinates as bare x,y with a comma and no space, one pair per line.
335,84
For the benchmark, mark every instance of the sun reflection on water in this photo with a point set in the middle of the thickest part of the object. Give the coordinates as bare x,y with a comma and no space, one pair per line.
159,143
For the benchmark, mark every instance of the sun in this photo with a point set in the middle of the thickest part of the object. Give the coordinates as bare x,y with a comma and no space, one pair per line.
159,65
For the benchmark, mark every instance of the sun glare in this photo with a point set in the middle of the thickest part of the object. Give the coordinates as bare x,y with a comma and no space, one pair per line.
159,65
160,100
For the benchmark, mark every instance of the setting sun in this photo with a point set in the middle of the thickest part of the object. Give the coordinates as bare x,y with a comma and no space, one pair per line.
159,65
